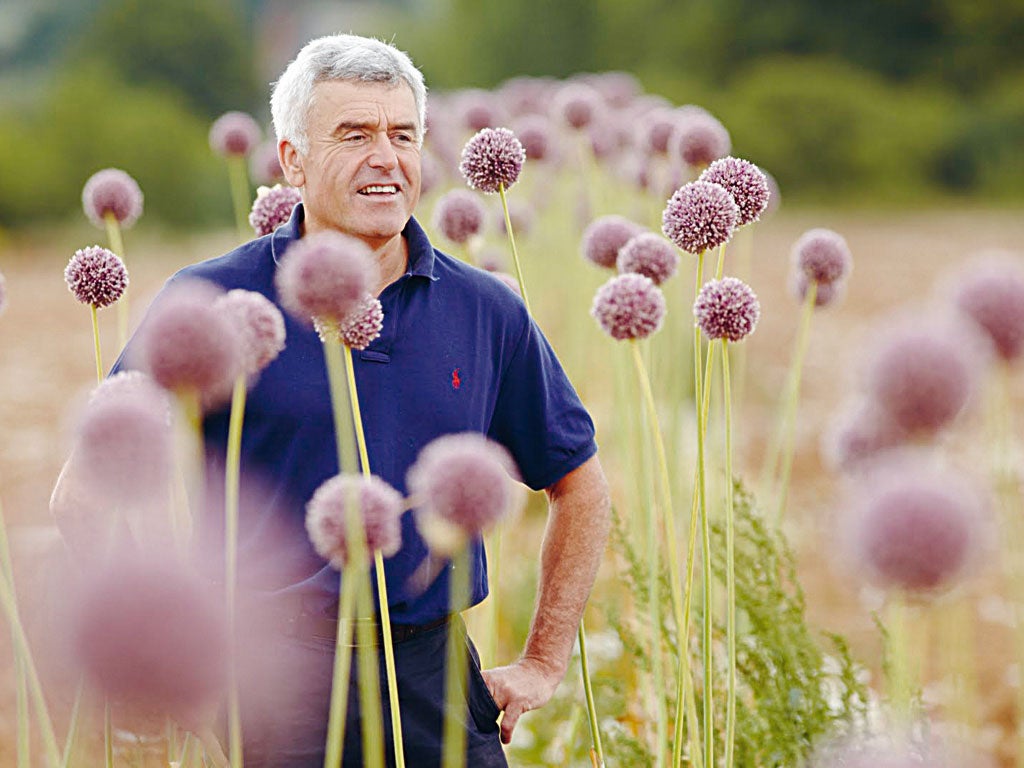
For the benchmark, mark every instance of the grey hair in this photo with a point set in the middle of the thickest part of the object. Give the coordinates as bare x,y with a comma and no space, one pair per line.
339,57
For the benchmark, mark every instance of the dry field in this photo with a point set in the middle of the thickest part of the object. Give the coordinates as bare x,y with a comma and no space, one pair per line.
46,343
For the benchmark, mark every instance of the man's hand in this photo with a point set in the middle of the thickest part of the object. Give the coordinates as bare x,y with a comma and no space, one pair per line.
519,687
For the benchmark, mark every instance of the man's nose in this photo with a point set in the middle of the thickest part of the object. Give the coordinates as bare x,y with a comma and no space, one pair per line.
382,153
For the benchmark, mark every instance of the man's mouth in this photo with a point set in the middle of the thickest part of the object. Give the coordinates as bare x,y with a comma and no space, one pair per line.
379,189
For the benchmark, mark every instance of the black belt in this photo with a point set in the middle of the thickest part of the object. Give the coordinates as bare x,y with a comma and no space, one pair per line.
321,626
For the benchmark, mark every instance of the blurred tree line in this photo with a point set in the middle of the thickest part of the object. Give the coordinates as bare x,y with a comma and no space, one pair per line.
898,101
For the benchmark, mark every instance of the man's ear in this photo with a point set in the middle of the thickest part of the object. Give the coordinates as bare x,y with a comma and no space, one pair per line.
291,163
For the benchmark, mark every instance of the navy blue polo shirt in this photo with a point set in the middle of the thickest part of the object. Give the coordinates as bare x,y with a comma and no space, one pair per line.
458,352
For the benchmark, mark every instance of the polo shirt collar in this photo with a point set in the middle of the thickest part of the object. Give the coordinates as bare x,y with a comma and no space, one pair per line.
421,252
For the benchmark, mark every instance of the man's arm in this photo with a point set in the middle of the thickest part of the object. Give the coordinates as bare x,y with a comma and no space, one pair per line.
579,519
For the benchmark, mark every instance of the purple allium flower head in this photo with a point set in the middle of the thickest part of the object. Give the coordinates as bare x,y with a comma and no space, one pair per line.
658,126
357,329
459,215
325,275
96,276
604,236
153,639
260,325
578,105
492,159
824,295
535,134
115,192
745,182
462,485
510,281
913,525
699,139
857,434
124,446
922,374
648,254
990,291
234,134
822,255
629,307
699,216
727,309
264,164
272,207
380,507
186,343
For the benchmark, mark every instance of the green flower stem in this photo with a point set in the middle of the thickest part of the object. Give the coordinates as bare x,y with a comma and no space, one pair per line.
117,246
239,173
382,589
24,736
231,488
454,735
597,751
96,342
780,453
342,669
23,650
108,737
512,242
900,684
72,735
730,565
192,472
959,650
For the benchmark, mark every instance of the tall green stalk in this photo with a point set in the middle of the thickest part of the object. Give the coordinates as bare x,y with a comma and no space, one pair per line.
117,246
730,565
231,491
239,174
512,242
96,343
454,733
596,751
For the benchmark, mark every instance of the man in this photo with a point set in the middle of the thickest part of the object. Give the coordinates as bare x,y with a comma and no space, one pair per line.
458,352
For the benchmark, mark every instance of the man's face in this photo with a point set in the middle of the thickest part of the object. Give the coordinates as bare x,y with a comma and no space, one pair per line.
361,175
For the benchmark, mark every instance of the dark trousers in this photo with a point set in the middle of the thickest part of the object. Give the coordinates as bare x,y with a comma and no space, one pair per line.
287,702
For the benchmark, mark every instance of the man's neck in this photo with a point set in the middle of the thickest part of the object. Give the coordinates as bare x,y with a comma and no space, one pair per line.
393,260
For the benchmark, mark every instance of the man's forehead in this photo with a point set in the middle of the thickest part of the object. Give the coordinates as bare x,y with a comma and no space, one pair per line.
358,96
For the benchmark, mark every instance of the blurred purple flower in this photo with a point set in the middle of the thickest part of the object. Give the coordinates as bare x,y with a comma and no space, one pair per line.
857,434
604,236
727,309
658,126
744,181
478,109
187,344
431,175
492,159
96,276
650,255
115,192
824,294
459,215
629,307
699,216
260,326
822,255
325,275
535,134
578,105
153,640
357,329
990,291
520,213
380,507
235,134
618,89
264,164
914,526
699,138
272,207
461,485
510,281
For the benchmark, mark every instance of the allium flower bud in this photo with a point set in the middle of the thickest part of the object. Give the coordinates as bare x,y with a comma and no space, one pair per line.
492,159
115,192
260,326
234,134
822,255
326,275
727,309
187,344
578,105
264,164
272,207
744,181
153,640
650,255
922,375
359,328
699,139
699,216
991,293
124,447
629,307
462,485
604,236
380,507
824,294
534,133
459,215
914,526
96,276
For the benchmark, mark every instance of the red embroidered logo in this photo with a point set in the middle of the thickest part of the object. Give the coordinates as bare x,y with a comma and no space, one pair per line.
456,381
